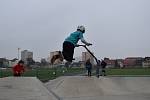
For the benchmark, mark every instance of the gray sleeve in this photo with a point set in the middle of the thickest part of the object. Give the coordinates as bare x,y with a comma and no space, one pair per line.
84,41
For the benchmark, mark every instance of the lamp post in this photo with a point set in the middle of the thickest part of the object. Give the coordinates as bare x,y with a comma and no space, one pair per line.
18,53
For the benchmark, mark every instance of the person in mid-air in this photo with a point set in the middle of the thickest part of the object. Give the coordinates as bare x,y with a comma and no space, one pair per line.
18,69
71,42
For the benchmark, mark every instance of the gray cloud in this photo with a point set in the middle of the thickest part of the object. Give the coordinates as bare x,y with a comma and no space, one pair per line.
117,28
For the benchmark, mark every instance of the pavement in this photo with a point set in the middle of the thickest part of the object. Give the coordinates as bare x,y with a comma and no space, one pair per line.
103,88
75,88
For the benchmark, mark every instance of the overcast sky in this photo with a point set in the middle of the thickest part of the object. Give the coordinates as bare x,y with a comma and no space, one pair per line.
116,28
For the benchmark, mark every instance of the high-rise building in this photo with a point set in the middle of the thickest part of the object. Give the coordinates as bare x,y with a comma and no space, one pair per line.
26,55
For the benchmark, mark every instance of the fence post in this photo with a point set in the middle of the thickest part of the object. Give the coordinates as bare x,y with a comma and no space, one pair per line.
1,73
37,72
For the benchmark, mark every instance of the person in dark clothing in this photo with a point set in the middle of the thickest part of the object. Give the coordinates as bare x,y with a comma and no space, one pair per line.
88,67
103,65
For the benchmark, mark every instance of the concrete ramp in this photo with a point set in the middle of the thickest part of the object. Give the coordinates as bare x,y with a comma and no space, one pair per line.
23,88
104,88
75,88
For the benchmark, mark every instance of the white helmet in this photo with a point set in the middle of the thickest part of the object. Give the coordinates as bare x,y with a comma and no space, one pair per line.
81,28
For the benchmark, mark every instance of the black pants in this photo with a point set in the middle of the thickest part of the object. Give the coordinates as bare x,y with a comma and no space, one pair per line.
103,72
68,51
97,71
17,74
89,72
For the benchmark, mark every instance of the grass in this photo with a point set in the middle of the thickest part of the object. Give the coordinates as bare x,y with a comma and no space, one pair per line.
138,71
45,74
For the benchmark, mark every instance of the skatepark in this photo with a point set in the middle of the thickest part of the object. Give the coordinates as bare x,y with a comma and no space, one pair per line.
75,88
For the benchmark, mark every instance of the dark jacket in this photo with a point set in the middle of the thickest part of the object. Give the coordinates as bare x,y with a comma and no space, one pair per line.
88,65
103,64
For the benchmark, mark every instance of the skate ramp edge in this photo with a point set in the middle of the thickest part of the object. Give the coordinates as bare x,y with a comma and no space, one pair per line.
24,88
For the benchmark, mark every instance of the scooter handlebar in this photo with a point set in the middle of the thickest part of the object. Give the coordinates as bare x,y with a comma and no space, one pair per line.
82,45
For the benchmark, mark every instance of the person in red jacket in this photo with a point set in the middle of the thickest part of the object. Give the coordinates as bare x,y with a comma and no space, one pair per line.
19,68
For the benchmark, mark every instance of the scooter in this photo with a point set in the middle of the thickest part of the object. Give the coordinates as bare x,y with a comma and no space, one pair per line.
89,52
97,61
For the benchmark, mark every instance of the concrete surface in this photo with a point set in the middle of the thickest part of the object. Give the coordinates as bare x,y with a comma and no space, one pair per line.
104,88
23,88
75,88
